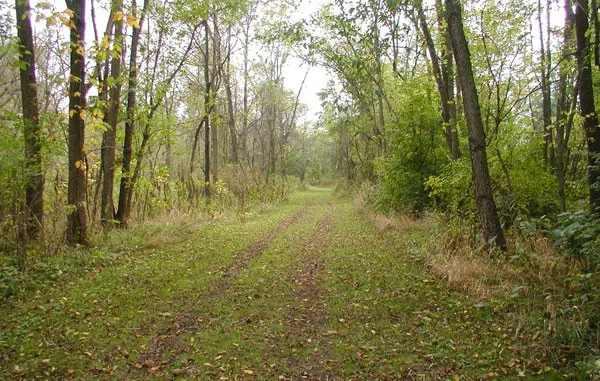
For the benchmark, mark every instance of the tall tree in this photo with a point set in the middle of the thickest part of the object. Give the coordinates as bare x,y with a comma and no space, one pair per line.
586,101
77,214
34,177
486,206
545,69
125,189
444,78
565,107
227,74
207,110
109,141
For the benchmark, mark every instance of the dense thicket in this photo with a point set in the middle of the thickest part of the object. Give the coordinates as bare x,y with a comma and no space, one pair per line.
161,106
407,118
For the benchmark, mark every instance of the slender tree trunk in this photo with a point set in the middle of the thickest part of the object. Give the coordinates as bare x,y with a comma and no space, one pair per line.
34,177
125,191
443,74
448,80
488,214
564,109
214,133
245,106
207,108
586,102
195,145
380,121
108,149
545,64
230,107
77,216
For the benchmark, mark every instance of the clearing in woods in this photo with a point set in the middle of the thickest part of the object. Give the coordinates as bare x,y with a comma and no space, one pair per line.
309,289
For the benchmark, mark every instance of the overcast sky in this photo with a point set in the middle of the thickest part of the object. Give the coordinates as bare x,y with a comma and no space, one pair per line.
317,76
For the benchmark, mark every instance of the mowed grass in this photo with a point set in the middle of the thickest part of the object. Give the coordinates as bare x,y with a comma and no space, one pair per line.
106,303
329,297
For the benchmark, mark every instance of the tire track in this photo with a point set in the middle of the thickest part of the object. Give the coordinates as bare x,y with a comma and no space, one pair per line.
308,316
169,339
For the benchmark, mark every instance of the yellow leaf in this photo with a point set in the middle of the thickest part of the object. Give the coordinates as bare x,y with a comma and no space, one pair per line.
77,94
132,21
80,50
105,43
50,21
72,112
249,372
65,21
118,16
82,114
70,13
79,164
96,113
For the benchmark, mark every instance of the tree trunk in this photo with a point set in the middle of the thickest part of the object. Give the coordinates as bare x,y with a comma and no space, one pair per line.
77,217
207,108
443,74
216,58
564,109
586,102
108,149
125,187
34,177
230,106
448,81
488,214
545,67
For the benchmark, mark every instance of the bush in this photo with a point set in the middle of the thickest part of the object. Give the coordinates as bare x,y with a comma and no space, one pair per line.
578,235
452,191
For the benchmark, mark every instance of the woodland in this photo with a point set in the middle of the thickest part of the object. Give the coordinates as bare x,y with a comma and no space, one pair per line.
170,208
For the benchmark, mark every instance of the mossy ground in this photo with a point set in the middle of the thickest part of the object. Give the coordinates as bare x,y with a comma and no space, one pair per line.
325,295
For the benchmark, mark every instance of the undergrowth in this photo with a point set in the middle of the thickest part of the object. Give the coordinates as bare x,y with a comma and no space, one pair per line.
547,284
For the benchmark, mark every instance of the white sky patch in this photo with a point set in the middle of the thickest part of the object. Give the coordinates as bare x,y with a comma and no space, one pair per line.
296,69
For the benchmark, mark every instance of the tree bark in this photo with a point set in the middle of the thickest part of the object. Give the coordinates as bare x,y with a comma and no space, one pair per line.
443,75
125,187
77,216
586,102
207,108
108,149
34,177
230,106
214,131
564,109
488,213
545,67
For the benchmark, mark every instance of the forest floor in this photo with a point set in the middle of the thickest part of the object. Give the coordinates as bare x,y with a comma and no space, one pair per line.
308,289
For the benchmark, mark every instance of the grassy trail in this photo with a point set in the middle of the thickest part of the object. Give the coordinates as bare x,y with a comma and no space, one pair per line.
310,289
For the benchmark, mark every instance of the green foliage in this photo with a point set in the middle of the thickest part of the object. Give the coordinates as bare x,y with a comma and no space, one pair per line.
11,175
452,189
517,195
414,151
578,235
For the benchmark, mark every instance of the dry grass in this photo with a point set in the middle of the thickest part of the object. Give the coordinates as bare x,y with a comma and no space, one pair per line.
398,223
466,266
531,261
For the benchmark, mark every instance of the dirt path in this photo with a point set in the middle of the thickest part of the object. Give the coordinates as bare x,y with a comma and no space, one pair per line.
311,290
308,317
189,319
